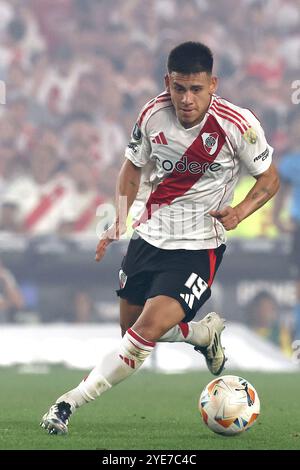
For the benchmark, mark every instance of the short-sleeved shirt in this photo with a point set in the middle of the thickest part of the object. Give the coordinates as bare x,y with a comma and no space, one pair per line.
186,173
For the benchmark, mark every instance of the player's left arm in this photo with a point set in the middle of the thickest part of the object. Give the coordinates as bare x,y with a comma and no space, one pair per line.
254,151
266,186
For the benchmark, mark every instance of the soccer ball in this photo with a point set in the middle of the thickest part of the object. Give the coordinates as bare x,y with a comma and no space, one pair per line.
229,405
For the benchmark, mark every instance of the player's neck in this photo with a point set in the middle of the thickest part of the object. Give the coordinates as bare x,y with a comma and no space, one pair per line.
189,125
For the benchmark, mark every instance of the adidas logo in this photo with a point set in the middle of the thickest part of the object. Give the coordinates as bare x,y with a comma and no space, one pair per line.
160,139
197,286
129,362
189,299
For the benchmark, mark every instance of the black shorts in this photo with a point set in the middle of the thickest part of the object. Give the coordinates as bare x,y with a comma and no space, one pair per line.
185,275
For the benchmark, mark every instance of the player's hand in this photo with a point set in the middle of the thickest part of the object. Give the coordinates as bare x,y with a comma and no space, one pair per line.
228,217
111,234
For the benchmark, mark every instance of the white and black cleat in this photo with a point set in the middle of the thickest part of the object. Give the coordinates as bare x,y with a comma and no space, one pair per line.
214,351
56,420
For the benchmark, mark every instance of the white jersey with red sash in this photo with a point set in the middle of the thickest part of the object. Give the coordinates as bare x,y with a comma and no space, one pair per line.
189,172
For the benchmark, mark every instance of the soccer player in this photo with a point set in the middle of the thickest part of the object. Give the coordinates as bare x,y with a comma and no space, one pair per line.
181,168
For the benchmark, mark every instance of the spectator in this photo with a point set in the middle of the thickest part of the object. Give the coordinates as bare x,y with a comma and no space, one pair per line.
262,316
9,218
289,169
42,195
84,197
84,308
83,58
11,298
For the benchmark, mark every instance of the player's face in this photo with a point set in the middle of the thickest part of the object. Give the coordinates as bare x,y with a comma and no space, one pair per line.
190,95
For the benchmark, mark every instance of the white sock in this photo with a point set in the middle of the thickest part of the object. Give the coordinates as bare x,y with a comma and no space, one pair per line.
192,333
115,367
177,334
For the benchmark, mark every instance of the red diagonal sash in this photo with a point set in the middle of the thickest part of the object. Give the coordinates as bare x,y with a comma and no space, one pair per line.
178,183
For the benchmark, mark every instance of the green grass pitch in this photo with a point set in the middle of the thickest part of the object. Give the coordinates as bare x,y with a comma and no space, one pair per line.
148,411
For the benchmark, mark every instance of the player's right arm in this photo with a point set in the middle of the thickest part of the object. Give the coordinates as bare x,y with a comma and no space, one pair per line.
137,155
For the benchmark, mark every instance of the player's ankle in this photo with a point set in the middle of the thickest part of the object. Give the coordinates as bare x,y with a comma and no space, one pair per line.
74,397
199,335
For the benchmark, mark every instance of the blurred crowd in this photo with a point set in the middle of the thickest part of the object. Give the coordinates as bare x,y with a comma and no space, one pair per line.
77,73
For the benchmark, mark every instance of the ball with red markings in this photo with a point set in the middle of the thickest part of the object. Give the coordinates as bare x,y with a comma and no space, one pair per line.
229,405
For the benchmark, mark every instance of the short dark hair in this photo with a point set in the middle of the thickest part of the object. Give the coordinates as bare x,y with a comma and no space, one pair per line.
190,57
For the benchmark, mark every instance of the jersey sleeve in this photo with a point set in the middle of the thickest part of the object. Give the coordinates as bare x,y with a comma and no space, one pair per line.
138,150
253,148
